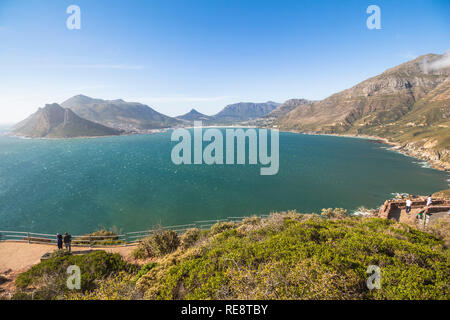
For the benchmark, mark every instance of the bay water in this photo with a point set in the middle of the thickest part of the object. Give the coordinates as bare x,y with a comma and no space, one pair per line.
130,182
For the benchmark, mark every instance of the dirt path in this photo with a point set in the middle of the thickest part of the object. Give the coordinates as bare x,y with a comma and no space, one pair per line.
17,256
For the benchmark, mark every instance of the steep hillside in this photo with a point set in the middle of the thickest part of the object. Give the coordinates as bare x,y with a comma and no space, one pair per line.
284,256
287,107
119,114
303,257
407,104
53,121
425,130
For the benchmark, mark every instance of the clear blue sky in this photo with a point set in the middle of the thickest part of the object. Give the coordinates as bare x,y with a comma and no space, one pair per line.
175,55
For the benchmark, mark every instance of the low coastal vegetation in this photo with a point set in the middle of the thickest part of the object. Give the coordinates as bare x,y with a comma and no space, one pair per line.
285,256
161,243
100,237
442,194
47,280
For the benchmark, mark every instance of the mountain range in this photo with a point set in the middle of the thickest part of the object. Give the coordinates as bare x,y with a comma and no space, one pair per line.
408,105
233,113
244,111
98,117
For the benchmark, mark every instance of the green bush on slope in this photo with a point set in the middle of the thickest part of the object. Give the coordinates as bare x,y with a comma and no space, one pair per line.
160,243
305,257
120,286
50,276
286,256
334,213
100,237
190,237
442,194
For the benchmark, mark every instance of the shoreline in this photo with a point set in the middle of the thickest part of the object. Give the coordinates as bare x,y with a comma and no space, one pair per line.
84,137
394,146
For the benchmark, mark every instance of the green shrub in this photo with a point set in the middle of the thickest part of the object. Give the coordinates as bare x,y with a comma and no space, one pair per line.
101,237
119,286
160,243
144,269
22,296
251,221
59,253
190,237
286,256
139,252
442,194
441,229
50,275
310,258
337,213
165,242
145,248
221,227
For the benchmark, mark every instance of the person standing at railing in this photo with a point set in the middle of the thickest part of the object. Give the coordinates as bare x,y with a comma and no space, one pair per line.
68,241
408,205
59,240
429,201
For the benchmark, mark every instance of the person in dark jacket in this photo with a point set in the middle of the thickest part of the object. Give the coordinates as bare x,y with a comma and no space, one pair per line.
59,240
68,241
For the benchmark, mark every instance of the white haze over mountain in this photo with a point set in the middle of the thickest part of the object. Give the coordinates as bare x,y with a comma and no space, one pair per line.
441,63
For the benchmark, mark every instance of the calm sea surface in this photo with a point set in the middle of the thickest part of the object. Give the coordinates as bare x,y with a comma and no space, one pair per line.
80,185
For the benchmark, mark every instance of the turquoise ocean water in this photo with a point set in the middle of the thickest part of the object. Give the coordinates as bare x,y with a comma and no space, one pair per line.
80,185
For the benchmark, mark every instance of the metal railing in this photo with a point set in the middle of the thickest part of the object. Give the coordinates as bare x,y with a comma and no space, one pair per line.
125,239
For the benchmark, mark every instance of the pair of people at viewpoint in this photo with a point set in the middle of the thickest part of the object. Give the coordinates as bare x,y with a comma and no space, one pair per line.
66,239
409,203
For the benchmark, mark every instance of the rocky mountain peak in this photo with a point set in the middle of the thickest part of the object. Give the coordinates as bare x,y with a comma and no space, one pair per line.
54,121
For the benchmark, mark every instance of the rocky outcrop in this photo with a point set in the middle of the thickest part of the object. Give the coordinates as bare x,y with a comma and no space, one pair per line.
438,159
